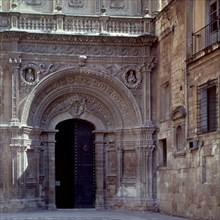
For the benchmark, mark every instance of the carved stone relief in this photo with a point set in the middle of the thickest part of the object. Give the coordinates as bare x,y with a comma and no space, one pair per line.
81,50
76,3
36,3
117,4
32,73
116,99
29,75
76,105
132,77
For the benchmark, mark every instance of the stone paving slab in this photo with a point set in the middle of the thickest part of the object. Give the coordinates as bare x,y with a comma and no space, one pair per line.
87,214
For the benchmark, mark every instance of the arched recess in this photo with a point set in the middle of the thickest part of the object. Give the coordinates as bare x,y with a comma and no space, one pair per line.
85,94
106,99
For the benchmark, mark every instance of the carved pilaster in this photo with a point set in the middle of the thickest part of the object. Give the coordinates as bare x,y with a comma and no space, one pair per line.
15,65
100,174
50,191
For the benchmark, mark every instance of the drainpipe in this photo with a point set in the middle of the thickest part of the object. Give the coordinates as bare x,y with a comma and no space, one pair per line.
186,102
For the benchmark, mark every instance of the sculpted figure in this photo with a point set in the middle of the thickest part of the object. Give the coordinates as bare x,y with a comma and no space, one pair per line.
29,75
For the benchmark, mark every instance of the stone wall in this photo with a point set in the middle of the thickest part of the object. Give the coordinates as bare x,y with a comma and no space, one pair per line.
188,162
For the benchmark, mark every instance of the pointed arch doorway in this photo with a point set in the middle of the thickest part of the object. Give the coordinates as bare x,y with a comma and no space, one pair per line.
75,164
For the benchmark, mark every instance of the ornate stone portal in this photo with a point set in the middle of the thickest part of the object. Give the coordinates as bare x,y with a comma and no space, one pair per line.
112,94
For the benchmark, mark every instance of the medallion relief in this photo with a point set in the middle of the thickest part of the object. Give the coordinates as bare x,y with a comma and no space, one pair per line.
132,77
29,75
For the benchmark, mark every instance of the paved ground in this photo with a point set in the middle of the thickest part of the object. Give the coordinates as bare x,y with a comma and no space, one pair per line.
87,214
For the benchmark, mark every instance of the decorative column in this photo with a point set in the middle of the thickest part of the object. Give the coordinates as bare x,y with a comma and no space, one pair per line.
147,91
51,170
100,165
15,63
15,168
149,169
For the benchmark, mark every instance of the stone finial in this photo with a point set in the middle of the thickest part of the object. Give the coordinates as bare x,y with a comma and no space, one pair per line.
103,10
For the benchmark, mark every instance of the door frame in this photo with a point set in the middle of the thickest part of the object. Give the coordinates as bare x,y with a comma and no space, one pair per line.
50,142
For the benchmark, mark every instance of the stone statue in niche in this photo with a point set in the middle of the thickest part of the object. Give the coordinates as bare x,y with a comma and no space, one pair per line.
117,4
34,2
76,3
131,77
29,75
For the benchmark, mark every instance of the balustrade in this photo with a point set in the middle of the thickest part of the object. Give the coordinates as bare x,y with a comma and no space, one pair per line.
90,25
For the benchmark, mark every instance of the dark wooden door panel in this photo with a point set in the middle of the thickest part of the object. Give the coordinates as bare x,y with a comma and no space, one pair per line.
75,165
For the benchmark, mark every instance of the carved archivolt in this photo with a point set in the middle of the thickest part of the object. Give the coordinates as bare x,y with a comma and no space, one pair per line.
97,92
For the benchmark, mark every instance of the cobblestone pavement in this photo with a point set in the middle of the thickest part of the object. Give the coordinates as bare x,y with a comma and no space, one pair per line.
87,214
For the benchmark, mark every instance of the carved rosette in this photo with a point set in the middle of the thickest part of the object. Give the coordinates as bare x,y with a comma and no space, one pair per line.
132,77
29,75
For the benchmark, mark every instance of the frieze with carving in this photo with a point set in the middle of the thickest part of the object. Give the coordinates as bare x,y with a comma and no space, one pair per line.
117,4
76,3
36,3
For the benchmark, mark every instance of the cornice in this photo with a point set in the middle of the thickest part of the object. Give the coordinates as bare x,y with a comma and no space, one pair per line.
142,40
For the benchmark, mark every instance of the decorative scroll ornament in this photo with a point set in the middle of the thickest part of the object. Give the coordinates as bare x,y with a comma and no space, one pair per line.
178,113
29,75
117,4
132,78
76,3
78,106
34,2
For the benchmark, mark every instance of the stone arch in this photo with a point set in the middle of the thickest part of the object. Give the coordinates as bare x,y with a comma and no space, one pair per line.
107,100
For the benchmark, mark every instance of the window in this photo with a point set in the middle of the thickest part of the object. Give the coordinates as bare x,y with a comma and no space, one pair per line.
179,138
207,107
163,148
165,101
214,13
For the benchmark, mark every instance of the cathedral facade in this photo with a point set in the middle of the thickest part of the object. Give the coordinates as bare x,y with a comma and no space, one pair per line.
110,104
